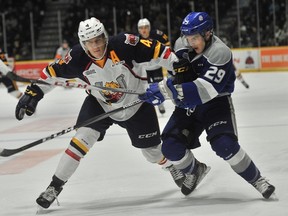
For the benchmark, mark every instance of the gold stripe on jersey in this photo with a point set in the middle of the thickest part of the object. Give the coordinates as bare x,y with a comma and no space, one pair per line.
60,61
80,145
165,37
114,57
51,71
157,50
167,43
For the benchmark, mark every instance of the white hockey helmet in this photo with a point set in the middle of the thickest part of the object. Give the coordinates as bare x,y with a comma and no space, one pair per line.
91,28
143,22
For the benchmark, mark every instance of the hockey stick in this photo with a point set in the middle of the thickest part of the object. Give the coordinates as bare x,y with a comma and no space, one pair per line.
13,76
70,83
8,152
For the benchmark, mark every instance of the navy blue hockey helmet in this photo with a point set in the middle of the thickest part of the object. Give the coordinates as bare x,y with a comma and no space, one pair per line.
196,22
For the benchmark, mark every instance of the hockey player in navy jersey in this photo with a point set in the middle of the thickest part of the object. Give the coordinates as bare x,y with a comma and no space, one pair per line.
201,89
145,31
112,62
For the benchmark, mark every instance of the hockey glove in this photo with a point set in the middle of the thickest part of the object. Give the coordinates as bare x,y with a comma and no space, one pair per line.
183,72
156,93
175,92
182,66
153,95
28,102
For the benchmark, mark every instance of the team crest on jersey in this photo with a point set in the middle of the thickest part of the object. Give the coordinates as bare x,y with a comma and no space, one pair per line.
112,84
110,96
131,39
159,32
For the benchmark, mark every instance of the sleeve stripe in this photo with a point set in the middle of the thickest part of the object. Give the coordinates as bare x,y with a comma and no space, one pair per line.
167,43
205,89
51,71
43,74
157,50
167,53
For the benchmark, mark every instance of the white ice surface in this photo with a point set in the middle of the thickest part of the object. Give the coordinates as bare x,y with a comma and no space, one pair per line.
115,179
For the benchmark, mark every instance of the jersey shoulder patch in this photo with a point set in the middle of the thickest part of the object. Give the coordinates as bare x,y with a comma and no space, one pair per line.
131,39
158,32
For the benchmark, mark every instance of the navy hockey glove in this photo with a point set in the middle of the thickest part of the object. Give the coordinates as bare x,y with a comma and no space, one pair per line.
175,92
152,95
156,93
28,102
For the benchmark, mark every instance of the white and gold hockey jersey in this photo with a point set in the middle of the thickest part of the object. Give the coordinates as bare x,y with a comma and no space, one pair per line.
124,66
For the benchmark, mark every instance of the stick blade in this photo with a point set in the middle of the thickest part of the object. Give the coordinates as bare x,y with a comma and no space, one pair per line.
7,152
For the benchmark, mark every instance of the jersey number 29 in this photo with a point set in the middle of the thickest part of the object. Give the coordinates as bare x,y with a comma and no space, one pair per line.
214,74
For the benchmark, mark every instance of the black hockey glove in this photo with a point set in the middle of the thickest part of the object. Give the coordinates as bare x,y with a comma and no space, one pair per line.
28,102
182,66
183,71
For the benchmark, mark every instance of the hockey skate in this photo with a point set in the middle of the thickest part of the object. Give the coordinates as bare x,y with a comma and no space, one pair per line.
265,188
161,108
47,197
193,180
177,175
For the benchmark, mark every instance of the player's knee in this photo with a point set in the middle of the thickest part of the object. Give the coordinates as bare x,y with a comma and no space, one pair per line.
172,149
153,154
83,140
225,146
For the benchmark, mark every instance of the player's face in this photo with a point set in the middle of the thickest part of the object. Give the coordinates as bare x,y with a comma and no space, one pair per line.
96,46
196,42
65,45
144,31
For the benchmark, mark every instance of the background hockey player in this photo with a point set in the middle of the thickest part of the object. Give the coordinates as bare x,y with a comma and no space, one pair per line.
240,77
201,90
145,31
116,62
11,85
62,50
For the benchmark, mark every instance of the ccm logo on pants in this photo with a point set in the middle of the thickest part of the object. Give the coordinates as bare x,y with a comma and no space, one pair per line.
217,124
145,136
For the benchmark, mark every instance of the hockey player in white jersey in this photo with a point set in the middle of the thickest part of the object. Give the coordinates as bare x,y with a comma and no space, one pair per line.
11,85
240,77
115,62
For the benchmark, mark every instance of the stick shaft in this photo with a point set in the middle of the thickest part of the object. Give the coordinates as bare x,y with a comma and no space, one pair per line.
71,83
9,152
